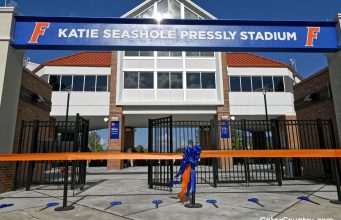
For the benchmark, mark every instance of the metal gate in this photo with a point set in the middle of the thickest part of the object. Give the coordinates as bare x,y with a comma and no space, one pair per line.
160,172
166,136
52,137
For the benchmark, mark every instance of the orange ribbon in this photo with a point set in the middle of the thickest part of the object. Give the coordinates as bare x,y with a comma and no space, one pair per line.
326,153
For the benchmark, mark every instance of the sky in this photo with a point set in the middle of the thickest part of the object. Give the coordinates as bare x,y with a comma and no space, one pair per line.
308,10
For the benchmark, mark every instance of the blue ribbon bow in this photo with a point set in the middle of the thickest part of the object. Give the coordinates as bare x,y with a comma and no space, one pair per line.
191,156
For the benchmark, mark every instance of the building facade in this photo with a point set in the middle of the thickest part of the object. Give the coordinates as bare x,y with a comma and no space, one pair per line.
34,104
134,86
314,99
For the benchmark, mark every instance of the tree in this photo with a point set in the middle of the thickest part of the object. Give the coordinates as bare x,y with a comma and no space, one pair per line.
94,142
139,148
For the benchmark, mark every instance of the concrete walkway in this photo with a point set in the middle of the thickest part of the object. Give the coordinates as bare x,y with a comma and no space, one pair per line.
130,187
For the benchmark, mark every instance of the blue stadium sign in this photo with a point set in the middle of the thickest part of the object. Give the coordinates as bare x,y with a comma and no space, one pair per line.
147,34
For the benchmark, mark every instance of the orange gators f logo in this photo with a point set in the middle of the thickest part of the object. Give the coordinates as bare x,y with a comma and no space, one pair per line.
311,35
39,30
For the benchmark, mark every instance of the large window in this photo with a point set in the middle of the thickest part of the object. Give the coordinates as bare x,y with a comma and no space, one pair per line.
235,83
257,83
90,83
138,80
171,8
268,83
278,83
169,80
79,83
246,84
199,54
55,82
201,80
102,83
169,53
139,53
190,15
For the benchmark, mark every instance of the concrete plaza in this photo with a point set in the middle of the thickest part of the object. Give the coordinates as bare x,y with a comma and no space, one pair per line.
130,187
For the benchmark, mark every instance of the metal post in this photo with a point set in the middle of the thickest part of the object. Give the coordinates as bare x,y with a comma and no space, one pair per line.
214,136
31,164
266,106
66,170
276,145
150,150
171,150
335,167
246,160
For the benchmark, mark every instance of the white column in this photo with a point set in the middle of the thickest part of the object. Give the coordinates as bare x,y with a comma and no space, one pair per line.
11,62
334,63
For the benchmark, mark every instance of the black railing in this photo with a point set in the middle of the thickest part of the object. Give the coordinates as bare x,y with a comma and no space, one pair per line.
52,137
245,135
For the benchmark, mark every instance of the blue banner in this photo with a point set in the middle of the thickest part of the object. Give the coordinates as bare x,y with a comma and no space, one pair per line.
225,129
133,34
115,130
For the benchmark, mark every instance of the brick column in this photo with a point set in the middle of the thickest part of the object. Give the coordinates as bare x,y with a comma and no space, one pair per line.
224,110
115,145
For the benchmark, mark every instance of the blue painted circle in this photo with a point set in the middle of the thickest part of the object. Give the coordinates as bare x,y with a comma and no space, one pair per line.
51,204
157,202
211,201
115,203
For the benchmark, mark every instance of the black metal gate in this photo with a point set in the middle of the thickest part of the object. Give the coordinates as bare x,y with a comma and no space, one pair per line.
160,172
166,135
52,137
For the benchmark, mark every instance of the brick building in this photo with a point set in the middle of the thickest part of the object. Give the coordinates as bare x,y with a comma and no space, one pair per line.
314,99
34,104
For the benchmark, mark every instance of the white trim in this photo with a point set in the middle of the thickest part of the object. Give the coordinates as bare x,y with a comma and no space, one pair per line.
188,112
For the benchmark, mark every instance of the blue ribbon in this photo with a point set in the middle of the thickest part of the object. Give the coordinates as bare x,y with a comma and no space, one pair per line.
191,156
5,205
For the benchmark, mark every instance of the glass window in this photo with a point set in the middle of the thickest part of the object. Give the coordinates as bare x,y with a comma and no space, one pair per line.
175,53
149,13
193,80
235,83
174,9
257,83
192,53
90,83
279,83
55,82
78,83
267,83
131,53
190,15
208,80
176,80
207,54
163,80
246,84
66,83
163,53
102,83
146,53
146,80
131,80
162,7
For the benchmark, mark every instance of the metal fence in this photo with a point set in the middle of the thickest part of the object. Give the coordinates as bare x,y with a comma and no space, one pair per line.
166,136
52,137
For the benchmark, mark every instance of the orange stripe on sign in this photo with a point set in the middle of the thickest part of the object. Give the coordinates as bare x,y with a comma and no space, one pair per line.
168,156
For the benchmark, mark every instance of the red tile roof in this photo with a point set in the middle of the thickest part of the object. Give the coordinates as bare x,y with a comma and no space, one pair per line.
103,59
94,59
251,60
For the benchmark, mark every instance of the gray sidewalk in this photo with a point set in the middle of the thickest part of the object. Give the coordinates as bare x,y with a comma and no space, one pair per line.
130,187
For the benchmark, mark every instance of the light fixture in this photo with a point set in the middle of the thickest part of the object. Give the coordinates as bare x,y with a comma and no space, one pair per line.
159,17
106,119
114,119
225,117
233,118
